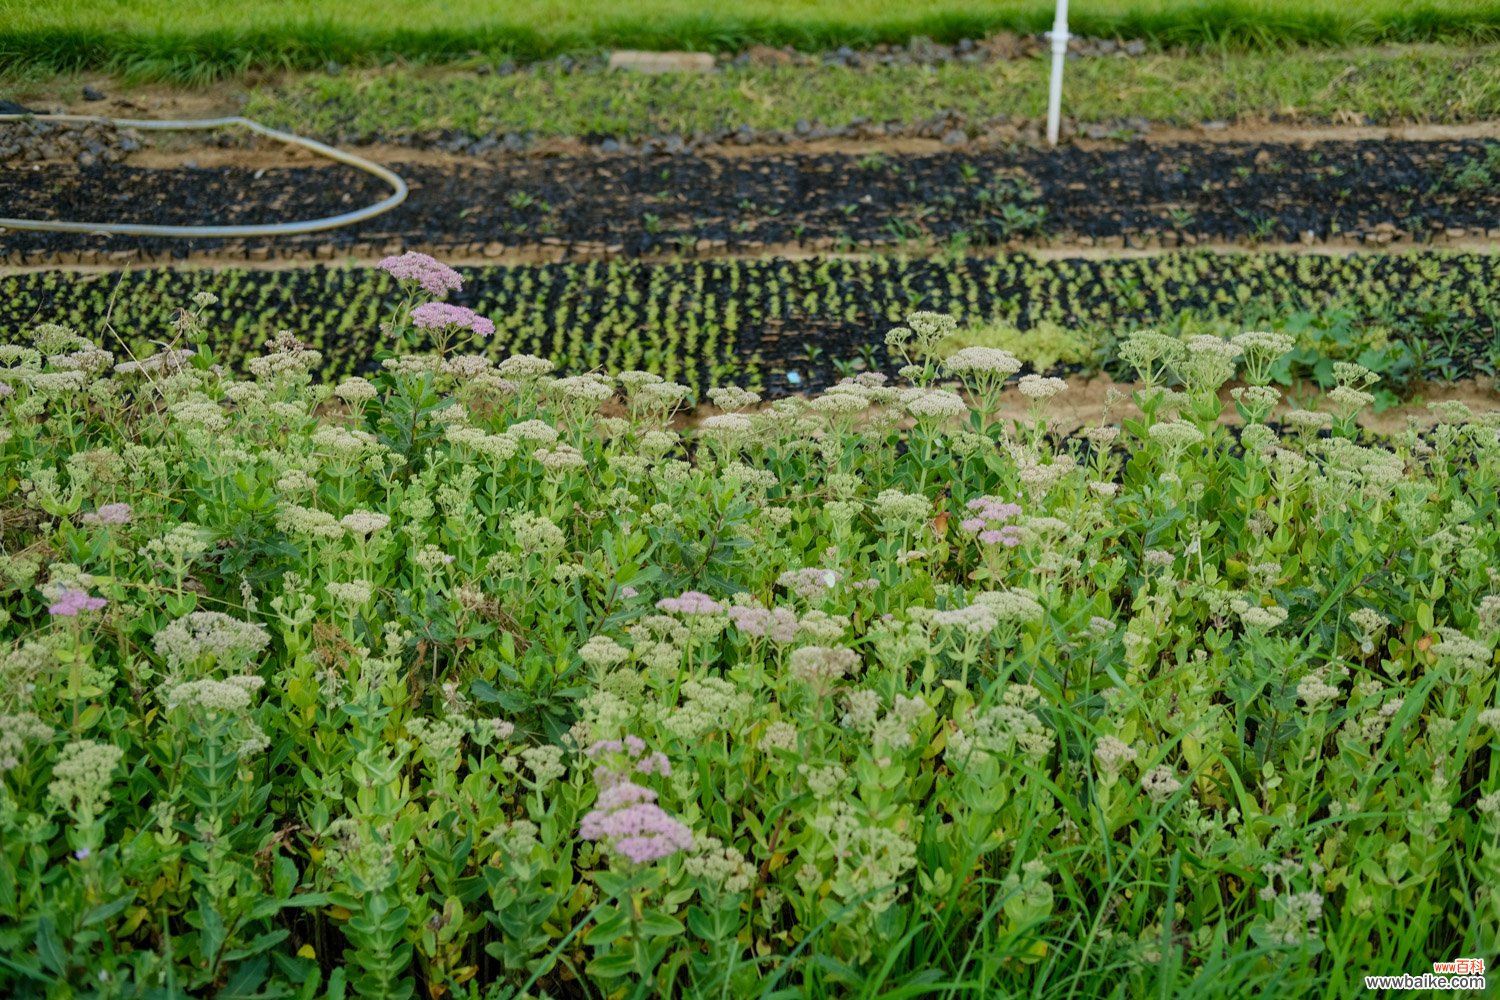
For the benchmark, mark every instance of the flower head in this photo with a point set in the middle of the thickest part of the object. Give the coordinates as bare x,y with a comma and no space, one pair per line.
441,315
690,603
982,361
435,278
632,825
110,513
209,633
70,603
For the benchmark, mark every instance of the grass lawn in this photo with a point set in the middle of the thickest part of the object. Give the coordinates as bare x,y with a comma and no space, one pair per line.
195,40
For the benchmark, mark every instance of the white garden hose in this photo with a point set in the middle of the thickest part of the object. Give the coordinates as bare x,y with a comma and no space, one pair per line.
268,229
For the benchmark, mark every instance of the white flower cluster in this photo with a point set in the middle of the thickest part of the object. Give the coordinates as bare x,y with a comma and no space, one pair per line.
982,361
229,696
534,431
820,667
933,403
1113,756
779,735
1256,618
228,640
732,397
602,651
1000,732
709,705
898,511
1160,783
1040,388
535,533
82,776
524,366
592,388
16,731
872,859
723,868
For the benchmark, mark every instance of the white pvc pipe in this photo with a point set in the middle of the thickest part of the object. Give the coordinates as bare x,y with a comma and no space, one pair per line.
1059,35
398,186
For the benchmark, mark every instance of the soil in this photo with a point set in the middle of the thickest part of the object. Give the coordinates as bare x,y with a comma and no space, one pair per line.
1142,195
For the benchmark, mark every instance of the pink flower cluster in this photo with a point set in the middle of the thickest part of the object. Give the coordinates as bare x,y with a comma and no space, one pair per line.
70,603
777,624
634,826
690,603
434,277
439,315
110,513
988,521
633,747
626,815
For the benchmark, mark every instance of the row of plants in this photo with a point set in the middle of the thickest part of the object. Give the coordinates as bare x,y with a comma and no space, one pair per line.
445,682
786,326
1417,83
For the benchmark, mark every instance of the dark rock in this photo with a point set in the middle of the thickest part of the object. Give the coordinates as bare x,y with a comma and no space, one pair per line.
90,94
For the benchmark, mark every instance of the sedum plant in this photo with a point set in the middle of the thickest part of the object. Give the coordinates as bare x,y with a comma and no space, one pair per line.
470,679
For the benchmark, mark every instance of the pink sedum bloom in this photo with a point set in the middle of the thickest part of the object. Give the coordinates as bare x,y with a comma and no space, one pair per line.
440,315
110,513
633,826
435,277
71,603
989,524
777,624
1009,536
690,603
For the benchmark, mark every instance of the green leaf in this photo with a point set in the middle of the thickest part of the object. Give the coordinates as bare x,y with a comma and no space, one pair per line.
104,911
614,965
49,947
511,701
660,925
700,924
283,876
608,930
261,943
245,981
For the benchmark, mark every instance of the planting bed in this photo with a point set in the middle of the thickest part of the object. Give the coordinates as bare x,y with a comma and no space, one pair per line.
741,603
783,324
1141,195
470,682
